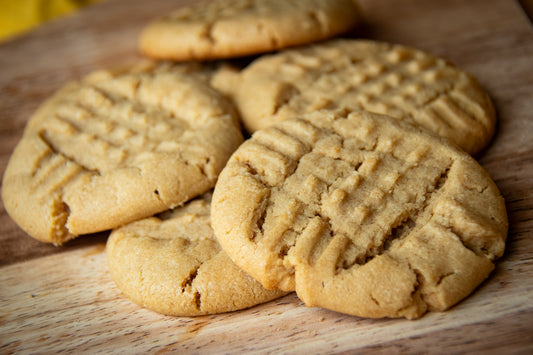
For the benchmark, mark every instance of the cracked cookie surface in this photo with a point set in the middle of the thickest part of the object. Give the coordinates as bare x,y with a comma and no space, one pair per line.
359,213
116,147
389,79
230,28
172,264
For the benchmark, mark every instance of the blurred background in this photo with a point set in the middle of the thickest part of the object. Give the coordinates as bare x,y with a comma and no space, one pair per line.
19,16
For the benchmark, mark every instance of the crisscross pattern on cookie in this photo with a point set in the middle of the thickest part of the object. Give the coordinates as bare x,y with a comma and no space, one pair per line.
116,119
332,192
388,79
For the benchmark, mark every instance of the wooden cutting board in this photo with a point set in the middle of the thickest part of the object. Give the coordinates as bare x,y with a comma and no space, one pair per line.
62,299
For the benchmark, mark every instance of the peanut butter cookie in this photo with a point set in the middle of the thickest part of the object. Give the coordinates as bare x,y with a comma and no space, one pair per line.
117,147
359,213
172,264
231,28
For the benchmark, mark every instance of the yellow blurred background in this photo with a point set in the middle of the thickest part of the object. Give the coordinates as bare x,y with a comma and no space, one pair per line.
18,16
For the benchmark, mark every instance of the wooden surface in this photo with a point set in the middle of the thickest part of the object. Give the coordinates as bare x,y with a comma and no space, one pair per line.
62,299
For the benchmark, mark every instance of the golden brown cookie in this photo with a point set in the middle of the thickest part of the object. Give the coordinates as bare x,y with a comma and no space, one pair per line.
379,77
117,147
172,264
231,28
359,213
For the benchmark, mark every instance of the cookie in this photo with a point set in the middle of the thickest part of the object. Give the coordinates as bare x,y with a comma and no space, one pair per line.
359,213
172,264
389,79
117,147
232,28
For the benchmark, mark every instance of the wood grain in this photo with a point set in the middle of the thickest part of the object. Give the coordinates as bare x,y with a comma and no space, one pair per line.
62,299
50,309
